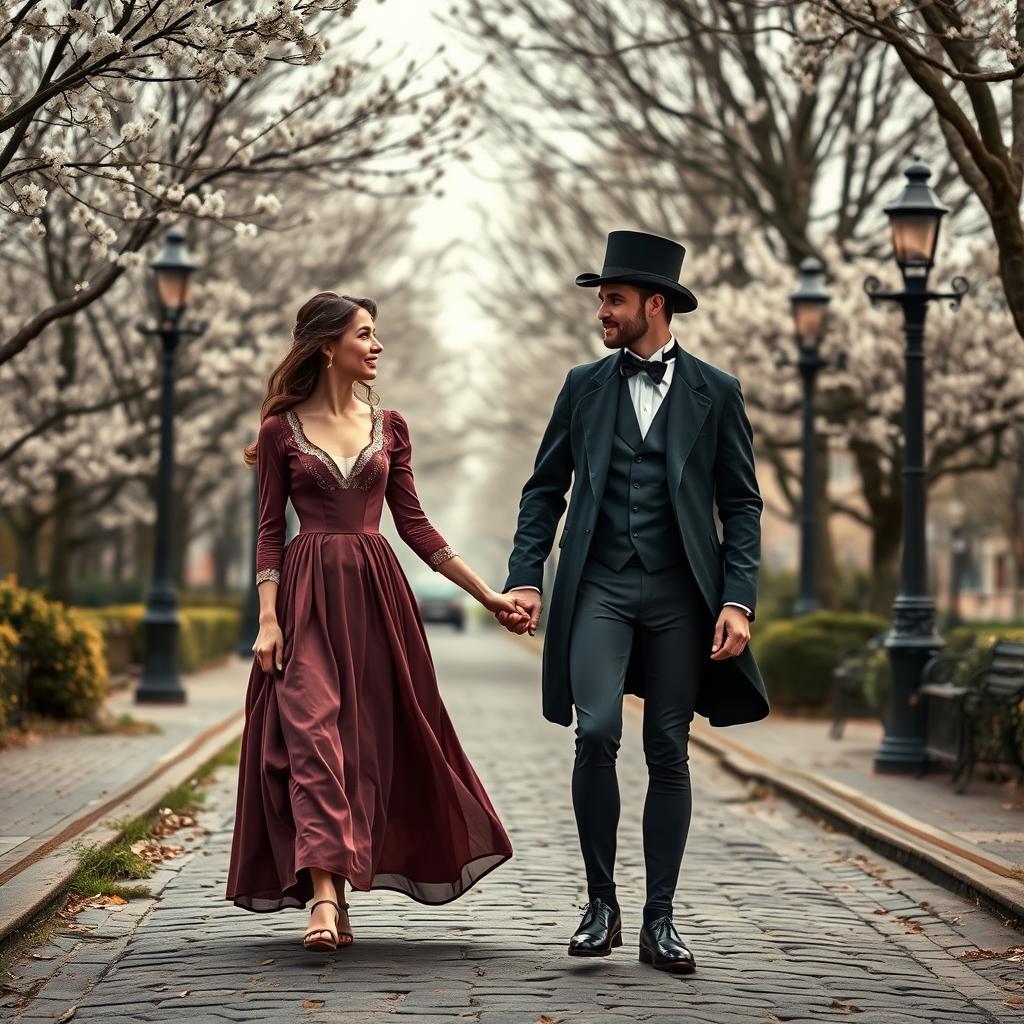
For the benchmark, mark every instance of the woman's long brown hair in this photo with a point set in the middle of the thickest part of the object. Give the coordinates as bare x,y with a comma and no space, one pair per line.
323,318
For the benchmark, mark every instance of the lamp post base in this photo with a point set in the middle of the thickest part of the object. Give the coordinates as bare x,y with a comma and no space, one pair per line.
912,643
901,755
160,682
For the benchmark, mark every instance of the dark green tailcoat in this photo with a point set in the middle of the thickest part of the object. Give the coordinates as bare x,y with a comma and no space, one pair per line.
710,463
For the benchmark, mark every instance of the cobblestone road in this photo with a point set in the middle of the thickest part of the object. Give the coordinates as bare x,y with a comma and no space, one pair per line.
788,921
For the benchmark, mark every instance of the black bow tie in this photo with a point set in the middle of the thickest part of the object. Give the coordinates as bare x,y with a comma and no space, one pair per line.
631,365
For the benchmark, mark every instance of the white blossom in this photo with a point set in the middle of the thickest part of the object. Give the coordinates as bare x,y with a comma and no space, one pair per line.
103,44
31,199
268,203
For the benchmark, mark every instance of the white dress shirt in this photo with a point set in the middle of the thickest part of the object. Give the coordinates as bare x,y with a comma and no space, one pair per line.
647,397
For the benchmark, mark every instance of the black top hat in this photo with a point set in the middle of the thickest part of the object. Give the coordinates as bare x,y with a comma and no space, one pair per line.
648,261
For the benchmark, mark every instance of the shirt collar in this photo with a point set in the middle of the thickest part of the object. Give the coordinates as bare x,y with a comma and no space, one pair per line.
659,355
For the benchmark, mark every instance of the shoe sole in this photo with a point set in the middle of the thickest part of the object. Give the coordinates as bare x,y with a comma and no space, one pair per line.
679,967
616,941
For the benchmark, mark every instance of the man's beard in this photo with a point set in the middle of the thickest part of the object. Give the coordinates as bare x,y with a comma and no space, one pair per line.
631,330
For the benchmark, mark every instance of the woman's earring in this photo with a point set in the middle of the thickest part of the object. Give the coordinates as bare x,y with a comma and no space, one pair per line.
330,360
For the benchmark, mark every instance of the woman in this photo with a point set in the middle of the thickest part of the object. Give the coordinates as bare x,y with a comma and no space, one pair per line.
350,768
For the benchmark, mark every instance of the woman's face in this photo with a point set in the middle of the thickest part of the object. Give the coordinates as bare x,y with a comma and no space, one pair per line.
356,351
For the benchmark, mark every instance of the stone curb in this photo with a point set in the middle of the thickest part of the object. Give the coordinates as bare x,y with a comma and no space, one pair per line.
36,881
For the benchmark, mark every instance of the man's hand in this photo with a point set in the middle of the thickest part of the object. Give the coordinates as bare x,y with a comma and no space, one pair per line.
732,634
529,602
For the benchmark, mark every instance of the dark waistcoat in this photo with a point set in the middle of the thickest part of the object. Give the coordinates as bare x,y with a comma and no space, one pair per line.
636,513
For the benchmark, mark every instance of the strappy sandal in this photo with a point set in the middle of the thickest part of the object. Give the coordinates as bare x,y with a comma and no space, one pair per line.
351,937
322,945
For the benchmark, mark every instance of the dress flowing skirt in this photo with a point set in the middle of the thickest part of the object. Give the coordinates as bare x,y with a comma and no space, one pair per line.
349,760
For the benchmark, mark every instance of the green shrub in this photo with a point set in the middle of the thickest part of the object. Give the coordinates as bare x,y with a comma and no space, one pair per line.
67,670
206,633
796,656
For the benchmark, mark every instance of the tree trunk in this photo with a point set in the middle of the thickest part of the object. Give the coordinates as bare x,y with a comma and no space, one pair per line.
58,586
1009,234
117,565
885,559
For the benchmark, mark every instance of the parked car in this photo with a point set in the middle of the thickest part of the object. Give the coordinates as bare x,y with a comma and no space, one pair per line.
441,602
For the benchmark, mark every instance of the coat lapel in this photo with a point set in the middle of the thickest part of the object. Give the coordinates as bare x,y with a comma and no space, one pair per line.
598,407
687,410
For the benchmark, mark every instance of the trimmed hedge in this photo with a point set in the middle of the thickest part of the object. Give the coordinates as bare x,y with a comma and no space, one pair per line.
67,671
206,633
796,656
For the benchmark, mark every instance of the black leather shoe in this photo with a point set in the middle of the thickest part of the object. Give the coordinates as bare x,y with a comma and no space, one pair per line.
661,947
599,932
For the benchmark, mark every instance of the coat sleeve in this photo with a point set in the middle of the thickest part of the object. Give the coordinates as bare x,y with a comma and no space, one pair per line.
410,521
272,481
739,503
543,498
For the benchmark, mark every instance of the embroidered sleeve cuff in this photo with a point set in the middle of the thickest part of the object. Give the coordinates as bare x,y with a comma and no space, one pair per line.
441,555
267,574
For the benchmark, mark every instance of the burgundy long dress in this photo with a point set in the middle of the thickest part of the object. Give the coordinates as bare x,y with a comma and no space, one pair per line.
349,760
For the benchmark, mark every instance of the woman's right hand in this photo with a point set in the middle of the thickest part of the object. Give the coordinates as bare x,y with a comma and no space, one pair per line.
269,647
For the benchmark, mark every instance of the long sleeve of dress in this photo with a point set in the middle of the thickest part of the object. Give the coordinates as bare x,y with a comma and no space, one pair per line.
272,478
412,524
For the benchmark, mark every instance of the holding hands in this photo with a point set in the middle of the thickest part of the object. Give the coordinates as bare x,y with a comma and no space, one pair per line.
527,606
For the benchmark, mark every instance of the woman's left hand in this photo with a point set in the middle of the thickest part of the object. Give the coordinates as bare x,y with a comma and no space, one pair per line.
495,602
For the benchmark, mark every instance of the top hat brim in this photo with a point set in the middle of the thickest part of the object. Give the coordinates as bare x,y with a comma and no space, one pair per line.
683,300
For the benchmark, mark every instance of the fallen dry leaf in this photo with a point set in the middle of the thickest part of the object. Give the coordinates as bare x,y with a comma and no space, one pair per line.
845,1007
545,1019
187,992
154,852
265,962
1015,1001
312,1004
1015,954
118,901
912,927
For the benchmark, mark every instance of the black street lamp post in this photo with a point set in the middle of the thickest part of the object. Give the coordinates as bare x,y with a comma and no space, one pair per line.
913,639
809,304
160,682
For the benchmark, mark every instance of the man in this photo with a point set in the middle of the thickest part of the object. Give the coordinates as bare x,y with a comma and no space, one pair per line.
646,599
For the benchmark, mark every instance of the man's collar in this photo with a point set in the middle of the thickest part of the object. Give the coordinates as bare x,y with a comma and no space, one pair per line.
660,354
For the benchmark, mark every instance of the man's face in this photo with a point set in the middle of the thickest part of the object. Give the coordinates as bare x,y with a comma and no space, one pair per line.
622,314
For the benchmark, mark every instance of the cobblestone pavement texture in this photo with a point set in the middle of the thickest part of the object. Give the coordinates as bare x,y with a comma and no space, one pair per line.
789,921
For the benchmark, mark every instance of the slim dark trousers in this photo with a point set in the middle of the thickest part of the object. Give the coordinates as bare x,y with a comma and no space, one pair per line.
664,615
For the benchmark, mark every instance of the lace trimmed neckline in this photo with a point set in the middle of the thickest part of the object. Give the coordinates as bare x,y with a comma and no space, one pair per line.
373,446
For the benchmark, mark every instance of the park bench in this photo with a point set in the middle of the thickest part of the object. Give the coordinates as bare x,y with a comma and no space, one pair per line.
978,720
848,683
